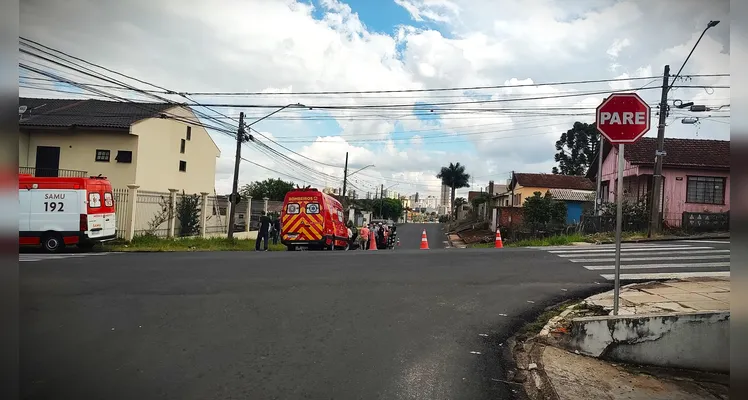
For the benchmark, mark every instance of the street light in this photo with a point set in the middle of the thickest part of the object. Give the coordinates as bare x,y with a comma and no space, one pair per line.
654,219
242,137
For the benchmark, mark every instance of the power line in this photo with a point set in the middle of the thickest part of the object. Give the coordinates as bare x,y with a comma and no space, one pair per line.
463,89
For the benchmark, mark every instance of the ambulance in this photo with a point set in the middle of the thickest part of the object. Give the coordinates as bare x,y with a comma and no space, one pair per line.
312,220
55,212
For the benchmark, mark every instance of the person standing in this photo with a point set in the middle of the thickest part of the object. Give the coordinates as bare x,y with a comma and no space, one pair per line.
276,230
364,237
264,232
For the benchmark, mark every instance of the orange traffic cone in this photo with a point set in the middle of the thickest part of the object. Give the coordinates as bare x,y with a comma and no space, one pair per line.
372,241
499,244
424,241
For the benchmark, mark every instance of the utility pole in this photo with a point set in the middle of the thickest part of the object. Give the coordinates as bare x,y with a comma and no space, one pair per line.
234,198
655,217
345,174
381,200
599,197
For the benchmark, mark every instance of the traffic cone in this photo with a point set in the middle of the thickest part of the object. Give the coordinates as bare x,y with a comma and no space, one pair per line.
398,242
424,241
499,244
372,241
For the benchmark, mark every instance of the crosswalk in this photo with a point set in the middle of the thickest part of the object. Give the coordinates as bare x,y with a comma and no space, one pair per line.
644,261
31,257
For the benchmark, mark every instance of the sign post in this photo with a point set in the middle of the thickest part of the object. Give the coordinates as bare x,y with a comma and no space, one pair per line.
623,118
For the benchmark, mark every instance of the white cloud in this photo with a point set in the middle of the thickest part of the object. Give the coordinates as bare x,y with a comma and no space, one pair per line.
615,49
279,47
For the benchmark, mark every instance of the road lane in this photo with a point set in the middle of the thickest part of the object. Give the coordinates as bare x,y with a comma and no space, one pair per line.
282,325
410,235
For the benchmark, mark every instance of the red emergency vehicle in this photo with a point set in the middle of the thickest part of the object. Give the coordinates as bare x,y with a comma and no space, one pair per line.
55,212
313,220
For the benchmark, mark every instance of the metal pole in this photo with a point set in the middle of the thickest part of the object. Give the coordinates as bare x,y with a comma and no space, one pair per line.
619,228
345,175
654,218
599,197
235,185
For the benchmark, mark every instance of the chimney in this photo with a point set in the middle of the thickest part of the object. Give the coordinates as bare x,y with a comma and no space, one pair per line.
490,188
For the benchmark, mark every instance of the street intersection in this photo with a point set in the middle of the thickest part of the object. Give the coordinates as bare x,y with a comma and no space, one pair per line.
392,324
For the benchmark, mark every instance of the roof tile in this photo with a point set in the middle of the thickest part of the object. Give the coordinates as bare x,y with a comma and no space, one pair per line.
66,113
554,181
681,153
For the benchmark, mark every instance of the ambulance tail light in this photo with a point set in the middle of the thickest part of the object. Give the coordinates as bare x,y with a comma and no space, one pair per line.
83,223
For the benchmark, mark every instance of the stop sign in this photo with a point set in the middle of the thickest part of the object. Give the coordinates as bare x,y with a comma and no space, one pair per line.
623,118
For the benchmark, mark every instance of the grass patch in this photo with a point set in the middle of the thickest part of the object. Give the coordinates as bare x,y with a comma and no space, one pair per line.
153,243
533,328
559,240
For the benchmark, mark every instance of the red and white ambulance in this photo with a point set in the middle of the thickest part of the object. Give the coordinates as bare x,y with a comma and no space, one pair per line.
55,212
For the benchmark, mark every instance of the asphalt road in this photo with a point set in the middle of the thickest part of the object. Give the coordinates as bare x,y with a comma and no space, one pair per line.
397,324
410,235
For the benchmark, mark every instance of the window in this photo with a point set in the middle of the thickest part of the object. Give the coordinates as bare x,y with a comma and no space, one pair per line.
705,190
102,155
124,156
292,208
183,166
189,133
108,199
312,208
94,200
182,146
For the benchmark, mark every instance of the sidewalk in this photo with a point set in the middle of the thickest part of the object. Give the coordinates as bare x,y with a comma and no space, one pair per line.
549,371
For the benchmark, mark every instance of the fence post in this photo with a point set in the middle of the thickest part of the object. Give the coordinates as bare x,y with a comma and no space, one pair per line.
203,213
132,197
172,214
266,205
249,212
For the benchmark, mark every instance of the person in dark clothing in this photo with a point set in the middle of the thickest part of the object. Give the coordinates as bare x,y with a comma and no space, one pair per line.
276,230
264,232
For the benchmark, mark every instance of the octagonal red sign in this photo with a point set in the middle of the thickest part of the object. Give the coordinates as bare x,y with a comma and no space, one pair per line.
623,118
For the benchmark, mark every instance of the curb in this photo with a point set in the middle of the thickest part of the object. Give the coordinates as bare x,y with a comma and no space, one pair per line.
668,239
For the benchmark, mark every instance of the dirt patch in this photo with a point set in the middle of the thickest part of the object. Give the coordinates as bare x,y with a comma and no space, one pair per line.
472,236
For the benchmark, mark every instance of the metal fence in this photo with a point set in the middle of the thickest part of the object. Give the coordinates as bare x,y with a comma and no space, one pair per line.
52,172
154,210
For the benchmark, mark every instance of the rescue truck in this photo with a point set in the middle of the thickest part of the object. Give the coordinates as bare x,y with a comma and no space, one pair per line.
55,212
312,220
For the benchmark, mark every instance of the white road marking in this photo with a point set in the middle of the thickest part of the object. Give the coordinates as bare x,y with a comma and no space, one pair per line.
627,250
665,275
658,266
656,253
664,258
706,241
30,257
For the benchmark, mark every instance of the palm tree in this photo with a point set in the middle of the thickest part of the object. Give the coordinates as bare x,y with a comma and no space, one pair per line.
455,177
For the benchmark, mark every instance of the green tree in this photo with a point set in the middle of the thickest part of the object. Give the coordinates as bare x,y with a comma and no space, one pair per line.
188,214
274,189
388,208
576,149
540,211
455,177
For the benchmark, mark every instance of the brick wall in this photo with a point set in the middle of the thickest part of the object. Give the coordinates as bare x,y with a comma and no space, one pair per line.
510,217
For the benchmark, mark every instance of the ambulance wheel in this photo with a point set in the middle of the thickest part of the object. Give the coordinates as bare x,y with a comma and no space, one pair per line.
52,242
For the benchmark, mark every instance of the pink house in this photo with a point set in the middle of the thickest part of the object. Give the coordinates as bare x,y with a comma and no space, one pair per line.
696,175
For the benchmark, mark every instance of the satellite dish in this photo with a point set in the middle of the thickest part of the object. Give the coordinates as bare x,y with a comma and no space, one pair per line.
22,109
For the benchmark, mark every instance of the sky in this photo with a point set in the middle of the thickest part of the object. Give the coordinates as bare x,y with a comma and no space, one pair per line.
279,48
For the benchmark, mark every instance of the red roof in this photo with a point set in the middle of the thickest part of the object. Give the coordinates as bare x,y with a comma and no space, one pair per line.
553,181
685,153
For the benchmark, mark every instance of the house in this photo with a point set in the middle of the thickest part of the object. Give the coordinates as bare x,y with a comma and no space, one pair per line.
577,202
696,175
155,146
524,185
